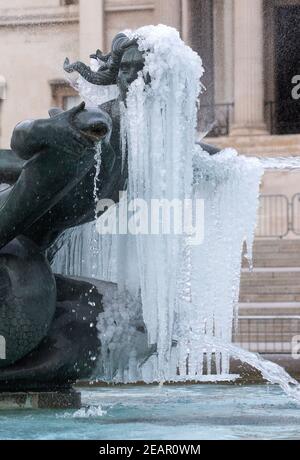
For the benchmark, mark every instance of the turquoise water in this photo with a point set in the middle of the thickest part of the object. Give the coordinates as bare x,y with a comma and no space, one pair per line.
168,413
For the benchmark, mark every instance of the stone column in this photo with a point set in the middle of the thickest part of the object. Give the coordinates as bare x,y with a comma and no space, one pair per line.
248,68
228,51
202,41
91,27
186,21
168,12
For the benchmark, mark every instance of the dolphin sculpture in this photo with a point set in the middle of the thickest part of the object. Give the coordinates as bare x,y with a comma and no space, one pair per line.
48,321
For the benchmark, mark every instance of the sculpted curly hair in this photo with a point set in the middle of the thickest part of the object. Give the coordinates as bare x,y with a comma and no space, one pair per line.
109,63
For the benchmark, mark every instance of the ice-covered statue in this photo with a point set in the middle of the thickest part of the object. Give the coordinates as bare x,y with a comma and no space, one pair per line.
166,304
120,67
183,284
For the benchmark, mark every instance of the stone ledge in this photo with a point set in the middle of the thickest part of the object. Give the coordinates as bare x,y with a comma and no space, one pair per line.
262,145
37,16
249,375
44,400
244,374
124,7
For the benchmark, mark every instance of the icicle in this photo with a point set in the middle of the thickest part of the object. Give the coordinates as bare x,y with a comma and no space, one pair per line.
98,161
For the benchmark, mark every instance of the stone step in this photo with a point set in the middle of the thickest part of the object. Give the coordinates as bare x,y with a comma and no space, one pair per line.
293,139
269,250
260,145
275,253
269,309
273,262
271,276
276,247
293,255
261,141
269,297
254,286
270,289
271,284
270,151
277,242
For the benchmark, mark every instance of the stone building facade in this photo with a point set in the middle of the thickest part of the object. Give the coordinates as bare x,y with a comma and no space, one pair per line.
250,49
245,46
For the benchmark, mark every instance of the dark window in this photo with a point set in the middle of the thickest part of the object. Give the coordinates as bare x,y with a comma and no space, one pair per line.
286,110
69,2
63,95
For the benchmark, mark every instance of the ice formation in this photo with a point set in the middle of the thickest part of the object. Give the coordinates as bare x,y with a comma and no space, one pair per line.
94,95
183,292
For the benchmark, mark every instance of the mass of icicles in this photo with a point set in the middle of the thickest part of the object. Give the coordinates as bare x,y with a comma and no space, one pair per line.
173,314
206,280
186,289
229,186
160,121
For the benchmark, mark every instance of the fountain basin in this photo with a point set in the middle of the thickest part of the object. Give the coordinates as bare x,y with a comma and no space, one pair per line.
195,412
69,399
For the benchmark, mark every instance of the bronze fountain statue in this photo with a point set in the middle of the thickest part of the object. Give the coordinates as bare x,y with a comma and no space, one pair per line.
46,319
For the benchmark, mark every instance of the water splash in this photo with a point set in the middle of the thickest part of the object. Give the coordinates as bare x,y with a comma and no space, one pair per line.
85,412
98,162
271,372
